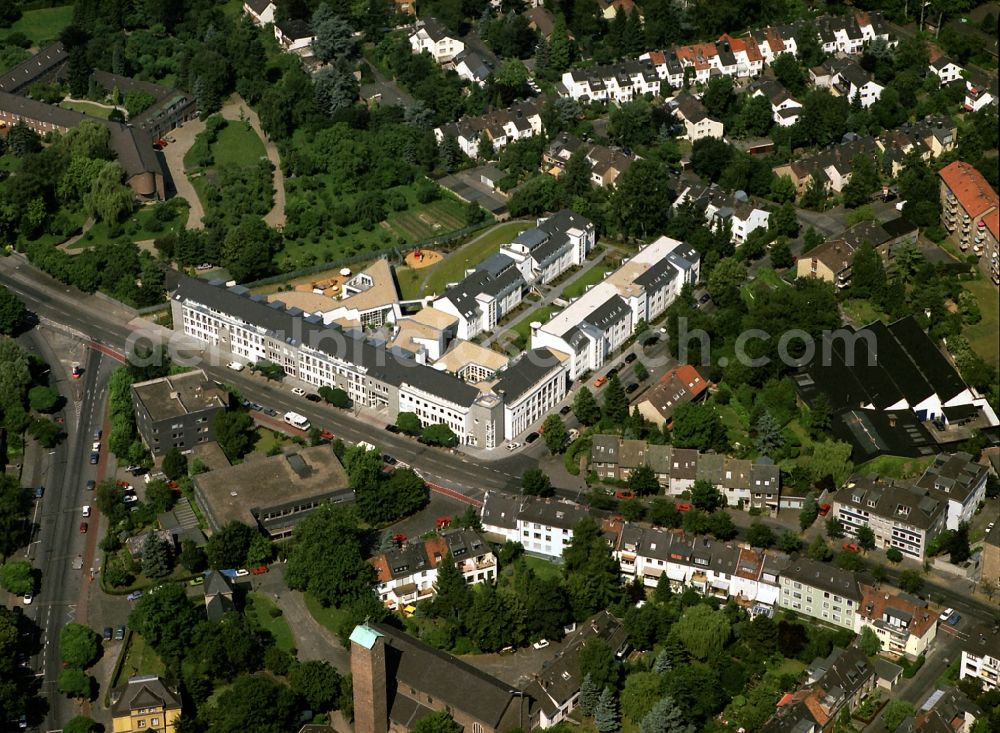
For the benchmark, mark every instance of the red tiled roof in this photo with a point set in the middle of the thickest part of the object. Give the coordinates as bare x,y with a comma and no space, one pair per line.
969,187
922,618
657,58
435,548
381,568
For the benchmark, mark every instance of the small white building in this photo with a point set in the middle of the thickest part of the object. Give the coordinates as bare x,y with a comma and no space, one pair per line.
261,12
946,70
294,36
432,36
959,481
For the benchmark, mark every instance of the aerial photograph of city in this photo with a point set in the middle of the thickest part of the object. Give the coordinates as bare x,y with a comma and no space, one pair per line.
499,366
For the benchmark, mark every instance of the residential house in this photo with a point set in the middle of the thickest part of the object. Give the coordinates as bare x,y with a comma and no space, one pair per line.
903,623
677,386
542,20
785,109
821,591
631,455
145,703
261,12
606,164
693,115
407,574
946,70
851,81
618,83
981,657
559,241
499,127
946,710
957,480
398,680
431,35
830,166
177,411
900,515
294,36
610,8
604,455
484,297
749,61
732,211
474,66
765,484
977,96
970,211
683,470
597,323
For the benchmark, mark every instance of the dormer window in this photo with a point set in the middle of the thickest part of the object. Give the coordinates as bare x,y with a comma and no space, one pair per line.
856,498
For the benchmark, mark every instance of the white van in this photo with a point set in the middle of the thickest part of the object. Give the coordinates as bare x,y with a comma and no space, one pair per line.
297,421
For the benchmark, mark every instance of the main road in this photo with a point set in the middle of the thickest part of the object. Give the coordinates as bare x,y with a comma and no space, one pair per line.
58,549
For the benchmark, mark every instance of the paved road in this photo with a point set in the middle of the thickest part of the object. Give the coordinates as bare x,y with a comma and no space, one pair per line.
173,156
59,550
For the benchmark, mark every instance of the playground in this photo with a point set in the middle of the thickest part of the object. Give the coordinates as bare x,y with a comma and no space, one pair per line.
421,258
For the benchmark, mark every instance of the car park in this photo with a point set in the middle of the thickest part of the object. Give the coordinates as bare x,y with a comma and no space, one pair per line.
631,388
86,510
541,644
630,358
119,633
298,391
565,410
532,437
134,595
84,527
94,458
108,632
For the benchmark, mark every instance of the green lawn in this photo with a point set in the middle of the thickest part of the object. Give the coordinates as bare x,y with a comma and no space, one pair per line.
983,336
543,568
44,24
579,286
469,255
543,314
140,659
895,466
94,110
268,439
409,282
141,226
332,618
259,607
736,425
238,144
862,312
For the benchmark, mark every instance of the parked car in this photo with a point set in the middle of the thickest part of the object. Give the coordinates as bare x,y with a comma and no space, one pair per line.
532,437
96,446
541,644
612,372
84,527
91,485
94,458
565,410
27,599
255,407
134,595
388,460
108,633
242,573
513,445
326,435
599,382
624,494
86,510
651,341
260,570
270,412
946,614
851,547
313,397
954,618
199,580
98,434
130,499
39,492
631,388
298,391
392,428
630,358
824,509
235,366
119,633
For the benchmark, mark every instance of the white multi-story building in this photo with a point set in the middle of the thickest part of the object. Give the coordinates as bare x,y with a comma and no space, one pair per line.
531,387
821,591
545,252
694,116
959,481
432,36
900,515
484,296
602,319
407,574
981,658
617,83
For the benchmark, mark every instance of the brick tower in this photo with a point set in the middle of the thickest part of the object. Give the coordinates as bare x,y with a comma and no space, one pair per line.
371,712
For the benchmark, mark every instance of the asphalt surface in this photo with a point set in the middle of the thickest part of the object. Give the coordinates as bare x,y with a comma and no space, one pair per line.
58,549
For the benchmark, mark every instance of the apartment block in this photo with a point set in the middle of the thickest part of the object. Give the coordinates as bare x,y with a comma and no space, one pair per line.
177,411
820,591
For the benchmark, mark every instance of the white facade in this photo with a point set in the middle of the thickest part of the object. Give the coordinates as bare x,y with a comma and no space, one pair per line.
260,13
441,46
531,407
947,72
981,661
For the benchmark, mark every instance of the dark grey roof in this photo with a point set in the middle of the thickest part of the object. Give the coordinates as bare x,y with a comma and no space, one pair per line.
30,70
144,691
525,374
936,369
955,474
295,29
413,664
496,264
896,501
873,433
660,272
531,238
500,510
436,29
258,6
823,576
295,329
609,313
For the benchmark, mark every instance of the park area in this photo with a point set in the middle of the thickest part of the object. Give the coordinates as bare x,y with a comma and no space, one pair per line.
44,24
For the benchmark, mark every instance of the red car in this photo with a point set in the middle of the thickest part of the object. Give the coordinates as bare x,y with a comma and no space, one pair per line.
851,547
442,522
260,570
326,435
624,495
83,528
824,509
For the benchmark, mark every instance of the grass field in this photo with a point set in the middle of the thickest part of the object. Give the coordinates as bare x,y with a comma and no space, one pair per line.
409,281
543,314
259,607
983,336
862,312
137,228
895,466
579,286
140,659
94,110
470,255
238,144
543,568
332,618
44,24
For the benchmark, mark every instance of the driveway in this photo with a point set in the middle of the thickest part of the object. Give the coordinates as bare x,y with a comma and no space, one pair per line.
173,156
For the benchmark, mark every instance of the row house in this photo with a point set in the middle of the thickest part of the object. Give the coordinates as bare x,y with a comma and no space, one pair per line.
742,482
957,480
606,164
558,242
484,297
543,526
785,109
431,35
840,34
903,623
749,60
928,138
617,83
900,514
830,166
500,127
408,574
733,211
970,211
709,566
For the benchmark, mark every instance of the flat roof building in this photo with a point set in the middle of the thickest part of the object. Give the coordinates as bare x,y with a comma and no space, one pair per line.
177,411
